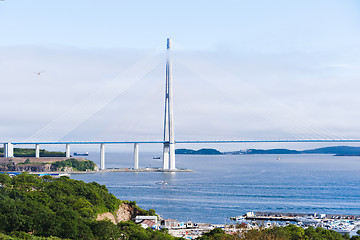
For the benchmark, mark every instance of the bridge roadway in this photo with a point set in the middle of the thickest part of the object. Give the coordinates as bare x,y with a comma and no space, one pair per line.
9,152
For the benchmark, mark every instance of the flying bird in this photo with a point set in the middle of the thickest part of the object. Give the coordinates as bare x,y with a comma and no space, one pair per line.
38,73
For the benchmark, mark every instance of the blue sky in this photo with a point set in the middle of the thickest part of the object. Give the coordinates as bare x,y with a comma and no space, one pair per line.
259,57
200,25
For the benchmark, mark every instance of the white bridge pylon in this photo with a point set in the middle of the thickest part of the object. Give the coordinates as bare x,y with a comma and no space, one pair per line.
169,138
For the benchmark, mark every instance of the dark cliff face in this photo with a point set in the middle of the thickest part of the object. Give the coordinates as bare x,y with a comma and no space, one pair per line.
26,167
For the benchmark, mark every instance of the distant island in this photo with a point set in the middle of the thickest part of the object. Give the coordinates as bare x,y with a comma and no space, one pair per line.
204,151
24,160
44,164
30,152
335,150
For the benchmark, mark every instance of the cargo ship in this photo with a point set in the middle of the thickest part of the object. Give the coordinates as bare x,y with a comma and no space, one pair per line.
81,154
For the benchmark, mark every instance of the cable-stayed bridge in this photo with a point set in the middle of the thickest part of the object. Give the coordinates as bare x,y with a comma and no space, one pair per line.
8,147
103,96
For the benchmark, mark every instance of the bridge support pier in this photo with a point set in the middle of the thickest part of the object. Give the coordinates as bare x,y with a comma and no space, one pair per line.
67,150
166,150
8,150
172,156
136,156
37,150
102,156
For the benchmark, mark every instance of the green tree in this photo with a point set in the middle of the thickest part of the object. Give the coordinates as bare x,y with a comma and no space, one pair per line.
217,234
5,180
104,230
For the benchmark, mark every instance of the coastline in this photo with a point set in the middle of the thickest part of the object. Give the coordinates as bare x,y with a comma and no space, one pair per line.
145,170
104,171
39,159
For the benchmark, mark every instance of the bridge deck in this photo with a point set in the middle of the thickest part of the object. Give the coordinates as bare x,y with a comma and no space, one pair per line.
195,141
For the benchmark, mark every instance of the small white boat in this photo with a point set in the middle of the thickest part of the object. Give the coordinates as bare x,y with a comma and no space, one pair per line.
239,218
162,182
307,219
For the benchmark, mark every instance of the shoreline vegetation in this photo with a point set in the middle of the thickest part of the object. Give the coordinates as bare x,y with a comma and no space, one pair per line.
335,150
24,160
56,164
33,207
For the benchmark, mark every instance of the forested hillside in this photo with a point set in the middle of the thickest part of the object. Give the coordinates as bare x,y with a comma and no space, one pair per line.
62,207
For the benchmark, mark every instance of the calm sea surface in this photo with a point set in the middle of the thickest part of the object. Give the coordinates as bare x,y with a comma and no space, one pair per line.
230,185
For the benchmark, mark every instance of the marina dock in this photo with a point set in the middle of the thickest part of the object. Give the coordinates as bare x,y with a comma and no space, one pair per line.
342,223
295,217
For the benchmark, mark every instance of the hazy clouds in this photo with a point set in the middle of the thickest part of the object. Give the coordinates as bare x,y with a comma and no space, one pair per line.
242,70
218,95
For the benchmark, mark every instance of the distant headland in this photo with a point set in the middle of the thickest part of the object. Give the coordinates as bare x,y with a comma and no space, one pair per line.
30,152
335,150
24,160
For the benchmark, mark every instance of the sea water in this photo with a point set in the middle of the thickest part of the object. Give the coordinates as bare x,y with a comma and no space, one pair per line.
224,186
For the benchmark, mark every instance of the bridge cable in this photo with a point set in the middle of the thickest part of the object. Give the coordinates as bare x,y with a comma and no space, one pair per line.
274,113
71,119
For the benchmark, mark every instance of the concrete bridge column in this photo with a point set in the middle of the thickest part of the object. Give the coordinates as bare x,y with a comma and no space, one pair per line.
102,156
37,150
166,149
172,156
136,156
8,150
67,150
